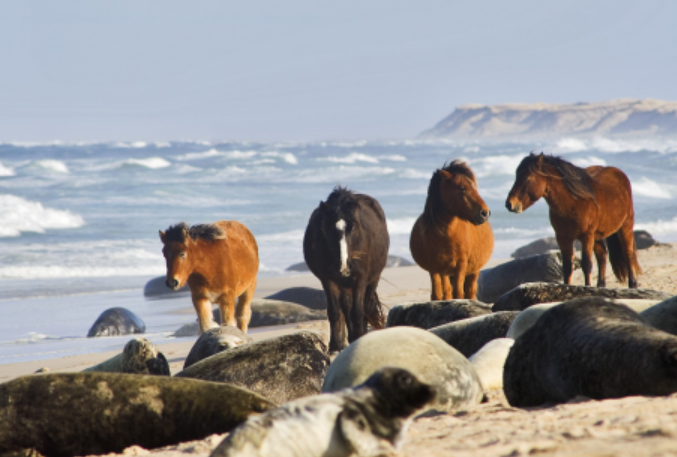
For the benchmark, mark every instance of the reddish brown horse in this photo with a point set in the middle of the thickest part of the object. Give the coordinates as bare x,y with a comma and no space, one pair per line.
452,239
220,262
589,205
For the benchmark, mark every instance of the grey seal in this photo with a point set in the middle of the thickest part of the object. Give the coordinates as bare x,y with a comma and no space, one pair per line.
468,336
368,420
431,314
589,347
216,340
117,321
139,356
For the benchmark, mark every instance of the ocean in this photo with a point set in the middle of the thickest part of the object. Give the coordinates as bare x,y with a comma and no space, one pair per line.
79,222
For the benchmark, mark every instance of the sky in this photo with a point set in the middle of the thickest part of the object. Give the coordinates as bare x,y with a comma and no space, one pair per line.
93,70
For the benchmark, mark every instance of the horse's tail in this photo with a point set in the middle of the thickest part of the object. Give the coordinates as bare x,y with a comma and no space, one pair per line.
373,310
617,257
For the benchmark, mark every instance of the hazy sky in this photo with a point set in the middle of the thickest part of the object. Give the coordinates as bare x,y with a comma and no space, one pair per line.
308,70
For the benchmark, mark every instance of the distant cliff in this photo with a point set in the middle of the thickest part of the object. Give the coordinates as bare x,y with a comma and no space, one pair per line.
623,117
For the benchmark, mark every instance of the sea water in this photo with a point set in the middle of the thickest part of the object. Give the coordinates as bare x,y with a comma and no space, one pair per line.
79,222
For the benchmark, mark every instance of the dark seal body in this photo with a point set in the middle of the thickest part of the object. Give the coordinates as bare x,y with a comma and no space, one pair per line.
435,313
67,414
307,296
590,347
369,420
526,295
279,369
117,321
468,336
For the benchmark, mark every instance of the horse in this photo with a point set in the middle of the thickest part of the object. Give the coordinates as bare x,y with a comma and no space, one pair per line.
219,262
591,205
346,246
452,239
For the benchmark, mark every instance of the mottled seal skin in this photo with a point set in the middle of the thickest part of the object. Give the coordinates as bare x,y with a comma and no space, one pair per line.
494,282
67,414
589,347
117,321
369,420
418,351
216,340
663,315
468,336
427,315
526,295
139,356
280,369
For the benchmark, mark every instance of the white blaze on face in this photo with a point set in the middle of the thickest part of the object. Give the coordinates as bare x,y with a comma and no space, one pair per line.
343,244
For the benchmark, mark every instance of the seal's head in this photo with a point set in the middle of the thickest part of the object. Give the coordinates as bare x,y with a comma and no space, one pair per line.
402,391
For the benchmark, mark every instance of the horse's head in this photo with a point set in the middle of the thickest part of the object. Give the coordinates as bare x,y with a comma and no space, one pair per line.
176,250
340,226
458,193
530,184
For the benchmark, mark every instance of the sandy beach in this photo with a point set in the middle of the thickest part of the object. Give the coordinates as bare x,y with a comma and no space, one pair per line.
629,426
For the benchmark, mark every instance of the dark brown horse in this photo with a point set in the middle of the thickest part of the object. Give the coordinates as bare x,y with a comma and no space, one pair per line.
590,205
452,239
346,247
219,262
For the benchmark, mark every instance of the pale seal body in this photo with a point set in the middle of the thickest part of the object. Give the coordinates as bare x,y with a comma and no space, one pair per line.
589,347
369,420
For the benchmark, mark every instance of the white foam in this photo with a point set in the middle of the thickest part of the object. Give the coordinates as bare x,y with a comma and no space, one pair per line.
151,162
608,145
289,236
351,158
659,227
495,165
585,162
131,144
410,173
393,158
200,155
400,226
20,215
565,145
341,174
648,188
56,271
6,171
52,165
286,156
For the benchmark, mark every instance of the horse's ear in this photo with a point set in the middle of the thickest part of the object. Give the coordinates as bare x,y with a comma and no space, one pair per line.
186,236
445,174
162,237
324,206
539,161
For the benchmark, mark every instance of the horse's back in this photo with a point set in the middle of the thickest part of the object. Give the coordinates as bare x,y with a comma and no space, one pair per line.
613,192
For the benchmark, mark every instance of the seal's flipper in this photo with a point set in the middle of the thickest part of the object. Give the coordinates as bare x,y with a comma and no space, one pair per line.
356,431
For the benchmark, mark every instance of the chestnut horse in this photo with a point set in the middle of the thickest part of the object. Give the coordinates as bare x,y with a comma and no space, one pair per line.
452,239
589,205
346,247
220,262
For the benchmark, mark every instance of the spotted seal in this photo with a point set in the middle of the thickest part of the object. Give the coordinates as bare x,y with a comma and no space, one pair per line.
139,356
117,321
368,420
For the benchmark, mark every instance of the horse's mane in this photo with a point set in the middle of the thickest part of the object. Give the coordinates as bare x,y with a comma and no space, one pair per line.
206,232
433,203
342,202
577,181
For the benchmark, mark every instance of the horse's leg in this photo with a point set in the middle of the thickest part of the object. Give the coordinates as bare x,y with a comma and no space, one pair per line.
587,243
243,310
628,242
458,280
227,307
470,286
436,287
566,247
336,333
357,316
346,301
447,286
600,255
205,318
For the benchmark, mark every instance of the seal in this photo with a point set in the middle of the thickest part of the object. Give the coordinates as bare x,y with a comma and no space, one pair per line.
468,336
368,420
67,414
526,295
443,367
216,340
139,356
280,369
117,321
488,362
307,296
663,315
431,314
590,347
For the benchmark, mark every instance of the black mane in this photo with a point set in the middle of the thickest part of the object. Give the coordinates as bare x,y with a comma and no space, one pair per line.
433,203
577,181
206,232
343,201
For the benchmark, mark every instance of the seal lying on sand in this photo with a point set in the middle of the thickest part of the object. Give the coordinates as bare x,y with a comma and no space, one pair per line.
139,356
431,314
117,321
66,414
368,420
216,340
590,347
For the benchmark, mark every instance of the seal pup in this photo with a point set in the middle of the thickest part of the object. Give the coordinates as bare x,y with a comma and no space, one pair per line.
368,420
590,347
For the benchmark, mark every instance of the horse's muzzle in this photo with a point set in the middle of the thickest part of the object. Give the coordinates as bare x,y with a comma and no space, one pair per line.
482,217
172,283
513,209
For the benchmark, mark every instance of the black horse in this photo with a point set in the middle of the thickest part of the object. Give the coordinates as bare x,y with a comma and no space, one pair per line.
346,247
